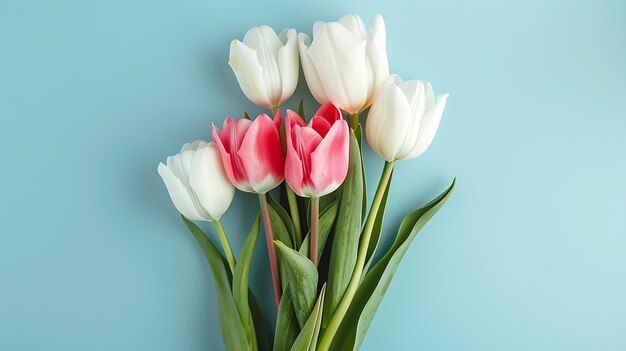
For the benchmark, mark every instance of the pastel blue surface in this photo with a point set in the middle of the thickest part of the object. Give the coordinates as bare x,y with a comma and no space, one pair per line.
527,255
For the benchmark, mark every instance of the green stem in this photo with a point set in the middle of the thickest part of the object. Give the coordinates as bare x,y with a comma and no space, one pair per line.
340,313
353,121
274,109
315,228
295,214
221,234
271,252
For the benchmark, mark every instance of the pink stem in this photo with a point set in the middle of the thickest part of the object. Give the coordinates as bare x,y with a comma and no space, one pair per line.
315,228
271,252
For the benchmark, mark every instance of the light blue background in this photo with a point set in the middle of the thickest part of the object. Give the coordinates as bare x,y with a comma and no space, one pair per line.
529,254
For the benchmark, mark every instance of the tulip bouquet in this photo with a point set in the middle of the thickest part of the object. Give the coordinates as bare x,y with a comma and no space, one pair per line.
308,173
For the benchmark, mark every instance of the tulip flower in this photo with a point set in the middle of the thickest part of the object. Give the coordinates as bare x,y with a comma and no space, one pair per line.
254,161
266,65
198,186
317,158
345,63
404,118
251,152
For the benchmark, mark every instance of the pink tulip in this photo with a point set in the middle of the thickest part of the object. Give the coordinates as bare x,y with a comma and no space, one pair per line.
251,153
317,153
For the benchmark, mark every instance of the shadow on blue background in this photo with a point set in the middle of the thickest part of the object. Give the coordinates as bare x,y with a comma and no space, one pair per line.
527,255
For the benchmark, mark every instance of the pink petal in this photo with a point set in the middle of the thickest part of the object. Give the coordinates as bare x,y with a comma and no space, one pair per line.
261,155
277,119
320,125
228,121
293,165
230,140
329,161
226,162
329,112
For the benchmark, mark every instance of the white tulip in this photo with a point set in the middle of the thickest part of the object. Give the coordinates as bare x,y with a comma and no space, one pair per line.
196,181
266,65
404,118
345,63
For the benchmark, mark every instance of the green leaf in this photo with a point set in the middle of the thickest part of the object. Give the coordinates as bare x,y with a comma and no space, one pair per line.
302,279
347,231
282,227
287,327
359,138
373,287
329,199
232,328
377,228
240,284
327,219
307,340
259,324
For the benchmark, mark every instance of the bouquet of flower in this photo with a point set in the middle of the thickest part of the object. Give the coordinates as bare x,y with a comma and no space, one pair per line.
320,237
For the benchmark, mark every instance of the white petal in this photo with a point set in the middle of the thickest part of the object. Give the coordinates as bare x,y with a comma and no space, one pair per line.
429,126
310,72
266,43
175,164
355,24
288,64
209,182
339,57
388,120
420,100
249,72
316,26
377,53
420,96
179,194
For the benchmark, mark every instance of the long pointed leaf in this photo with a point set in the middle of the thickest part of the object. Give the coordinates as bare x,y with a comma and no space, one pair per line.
287,327
282,227
232,328
358,133
307,340
302,279
259,324
347,230
240,284
374,286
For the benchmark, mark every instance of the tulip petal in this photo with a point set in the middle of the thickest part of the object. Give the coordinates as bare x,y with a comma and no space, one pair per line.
329,161
209,182
288,64
293,165
429,126
226,161
266,43
329,112
179,194
277,119
262,156
310,72
387,121
339,57
175,165
377,54
249,72
355,24
232,138
320,125
420,99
